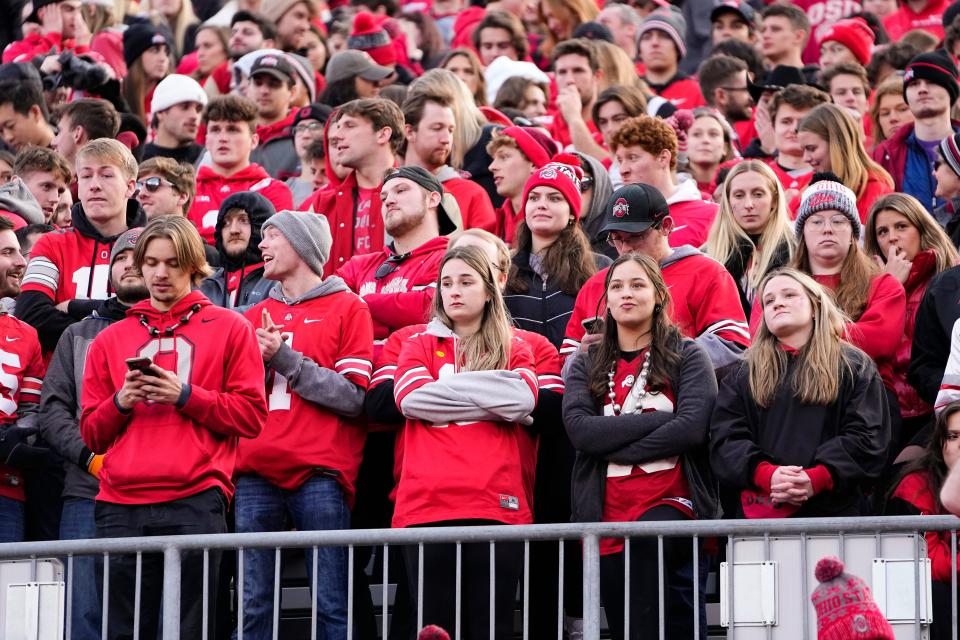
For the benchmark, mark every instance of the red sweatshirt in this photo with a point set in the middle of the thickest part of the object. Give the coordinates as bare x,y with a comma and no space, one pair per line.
915,489
21,374
507,222
930,19
213,188
159,452
476,210
402,297
35,44
692,215
328,334
682,91
463,470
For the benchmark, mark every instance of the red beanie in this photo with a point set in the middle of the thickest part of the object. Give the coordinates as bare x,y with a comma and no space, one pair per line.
536,145
845,608
370,36
562,173
854,34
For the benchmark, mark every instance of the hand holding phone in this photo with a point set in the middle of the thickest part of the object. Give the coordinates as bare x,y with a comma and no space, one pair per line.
140,364
592,325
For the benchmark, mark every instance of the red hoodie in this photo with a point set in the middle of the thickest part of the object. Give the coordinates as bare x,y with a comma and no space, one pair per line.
930,19
36,44
158,452
213,188
21,375
466,24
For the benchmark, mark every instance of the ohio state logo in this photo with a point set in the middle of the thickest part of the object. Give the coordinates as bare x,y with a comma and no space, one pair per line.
821,199
549,174
908,76
621,208
269,61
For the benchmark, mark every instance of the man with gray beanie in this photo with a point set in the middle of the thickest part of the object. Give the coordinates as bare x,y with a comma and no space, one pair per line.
316,339
60,426
399,281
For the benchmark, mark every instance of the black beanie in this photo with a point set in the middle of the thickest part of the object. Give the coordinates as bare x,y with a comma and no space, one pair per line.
936,67
141,36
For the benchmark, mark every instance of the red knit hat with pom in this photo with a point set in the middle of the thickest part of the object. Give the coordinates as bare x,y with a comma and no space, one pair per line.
370,36
854,34
845,607
564,174
433,632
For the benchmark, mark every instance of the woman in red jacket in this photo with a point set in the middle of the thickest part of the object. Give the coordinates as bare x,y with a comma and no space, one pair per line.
907,243
833,141
828,233
918,493
465,385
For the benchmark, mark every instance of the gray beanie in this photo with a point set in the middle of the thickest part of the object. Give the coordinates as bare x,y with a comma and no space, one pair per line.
126,240
828,195
308,234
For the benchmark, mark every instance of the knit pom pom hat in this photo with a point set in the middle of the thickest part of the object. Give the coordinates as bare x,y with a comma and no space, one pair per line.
854,34
370,36
433,632
845,608
562,173
827,193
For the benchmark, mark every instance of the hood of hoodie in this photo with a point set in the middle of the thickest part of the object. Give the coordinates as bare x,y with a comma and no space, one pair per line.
446,172
679,253
136,217
163,319
333,284
251,173
258,208
437,328
16,198
687,191
111,309
602,190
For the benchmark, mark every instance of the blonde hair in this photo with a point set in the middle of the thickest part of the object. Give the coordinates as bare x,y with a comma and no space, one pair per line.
848,156
574,11
184,19
112,152
503,251
489,348
480,96
618,70
932,235
447,87
186,241
891,86
813,380
726,234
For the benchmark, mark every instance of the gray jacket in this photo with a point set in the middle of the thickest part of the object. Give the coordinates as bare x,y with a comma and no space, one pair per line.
254,288
307,379
638,438
60,399
16,198
278,157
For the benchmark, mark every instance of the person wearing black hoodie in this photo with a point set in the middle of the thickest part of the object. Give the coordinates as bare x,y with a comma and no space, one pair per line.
68,272
60,427
239,282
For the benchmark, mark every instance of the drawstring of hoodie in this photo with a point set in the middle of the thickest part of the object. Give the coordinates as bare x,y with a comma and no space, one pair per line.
93,264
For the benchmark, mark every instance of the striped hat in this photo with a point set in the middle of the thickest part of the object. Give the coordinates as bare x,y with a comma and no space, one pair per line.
950,152
669,21
827,193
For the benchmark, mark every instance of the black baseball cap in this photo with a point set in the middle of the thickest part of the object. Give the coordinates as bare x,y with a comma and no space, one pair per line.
274,65
422,177
634,208
739,7
316,111
778,78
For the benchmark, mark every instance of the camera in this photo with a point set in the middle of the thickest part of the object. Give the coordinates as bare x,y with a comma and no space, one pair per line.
76,73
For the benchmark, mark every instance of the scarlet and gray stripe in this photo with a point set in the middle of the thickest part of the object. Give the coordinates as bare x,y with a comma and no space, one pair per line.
950,151
44,272
358,366
551,382
411,376
383,374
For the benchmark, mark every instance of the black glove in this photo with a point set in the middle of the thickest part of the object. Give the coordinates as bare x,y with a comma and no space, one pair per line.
15,452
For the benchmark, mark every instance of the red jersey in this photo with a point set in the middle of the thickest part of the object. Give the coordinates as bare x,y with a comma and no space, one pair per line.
21,374
159,452
213,188
67,265
704,299
897,24
403,296
822,14
692,215
476,210
464,470
300,436
682,91
632,490
798,183
507,222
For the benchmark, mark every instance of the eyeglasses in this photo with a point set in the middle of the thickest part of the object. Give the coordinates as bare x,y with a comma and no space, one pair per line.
586,184
618,237
152,185
307,128
391,265
837,221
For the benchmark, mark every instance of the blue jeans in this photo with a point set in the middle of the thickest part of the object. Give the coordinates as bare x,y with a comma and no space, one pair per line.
317,505
11,520
78,523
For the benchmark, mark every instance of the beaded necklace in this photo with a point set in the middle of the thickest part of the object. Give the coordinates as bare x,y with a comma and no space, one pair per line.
184,319
637,392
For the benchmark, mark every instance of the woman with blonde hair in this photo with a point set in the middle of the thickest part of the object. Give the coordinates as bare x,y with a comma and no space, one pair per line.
751,235
908,244
212,50
709,145
465,64
618,69
180,18
802,427
889,111
561,17
832,141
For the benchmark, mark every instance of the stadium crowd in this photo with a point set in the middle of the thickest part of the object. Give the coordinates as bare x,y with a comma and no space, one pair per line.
274,264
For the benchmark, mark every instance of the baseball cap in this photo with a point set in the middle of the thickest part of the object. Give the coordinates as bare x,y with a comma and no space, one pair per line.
634,208
277,66
350,64
428,181
778,78
743,9
315,111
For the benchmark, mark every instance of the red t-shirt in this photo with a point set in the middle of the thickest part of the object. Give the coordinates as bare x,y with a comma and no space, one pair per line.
361,223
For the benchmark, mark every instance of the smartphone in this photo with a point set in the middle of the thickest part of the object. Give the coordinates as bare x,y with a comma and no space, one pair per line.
140,364
592,325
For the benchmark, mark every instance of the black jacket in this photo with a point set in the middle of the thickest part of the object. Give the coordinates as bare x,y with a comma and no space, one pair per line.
641,437
933,326
544,308
849,437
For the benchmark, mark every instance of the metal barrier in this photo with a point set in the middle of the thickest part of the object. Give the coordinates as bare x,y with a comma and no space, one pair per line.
589,534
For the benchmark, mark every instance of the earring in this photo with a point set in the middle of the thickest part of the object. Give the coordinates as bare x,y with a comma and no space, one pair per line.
657,308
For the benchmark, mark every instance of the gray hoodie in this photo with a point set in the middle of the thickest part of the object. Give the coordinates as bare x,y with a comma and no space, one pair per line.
593,219
16,198
310,381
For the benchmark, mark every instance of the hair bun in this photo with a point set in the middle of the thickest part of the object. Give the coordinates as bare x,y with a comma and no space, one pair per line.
828,568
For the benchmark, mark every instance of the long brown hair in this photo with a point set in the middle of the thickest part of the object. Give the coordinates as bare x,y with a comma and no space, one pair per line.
816,378
568,262
857,272
931,462
665,336
489,348
932,235
135,88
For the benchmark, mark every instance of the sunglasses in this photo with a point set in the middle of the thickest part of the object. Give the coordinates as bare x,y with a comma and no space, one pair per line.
388,267
152,185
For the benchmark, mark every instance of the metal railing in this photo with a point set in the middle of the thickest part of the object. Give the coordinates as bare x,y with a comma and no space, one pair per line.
171,548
